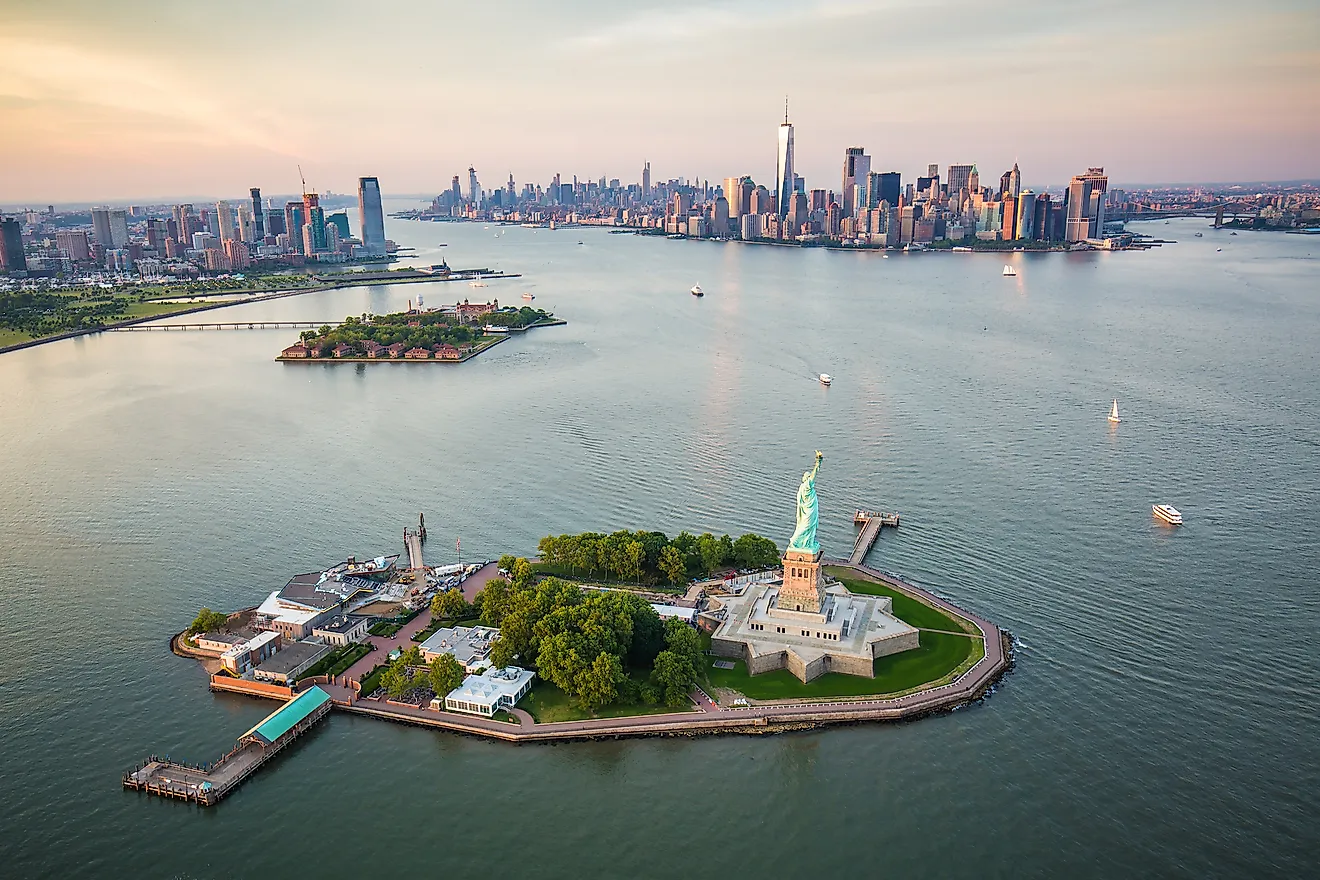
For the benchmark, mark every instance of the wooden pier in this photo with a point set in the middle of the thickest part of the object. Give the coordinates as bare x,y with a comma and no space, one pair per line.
871,522
207,784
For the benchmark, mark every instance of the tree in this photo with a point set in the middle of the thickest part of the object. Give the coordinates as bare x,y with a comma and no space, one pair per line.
635,553
674,676
753,551
506,562
673,565
448,603
712,552
494,599
501,653
396,680
208,621
522,573
444,674
598,685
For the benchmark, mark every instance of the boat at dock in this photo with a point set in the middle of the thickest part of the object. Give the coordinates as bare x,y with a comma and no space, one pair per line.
1009,270
1168,513
1113,412
476,284
697,291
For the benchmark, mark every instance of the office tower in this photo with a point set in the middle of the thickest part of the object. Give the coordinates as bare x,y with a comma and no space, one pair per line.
856,165
101,226
1026,216
456,190
784,166
371,216
338,221
816,200
258,215
732,193
224,220
1085,206
332,238
236,252
1008,227
474,188
275,223
204,241
1010,183
1041,223
646,181
12,258
720,217
974,181
890,188
314,216
933,170
745,189
156,234
118,220
246,230
960,178
73,244
294,219
308,240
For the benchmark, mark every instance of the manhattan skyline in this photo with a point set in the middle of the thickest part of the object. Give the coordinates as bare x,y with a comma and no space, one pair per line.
128,103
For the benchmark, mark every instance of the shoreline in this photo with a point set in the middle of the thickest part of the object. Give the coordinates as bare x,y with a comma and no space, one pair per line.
969,686
264,297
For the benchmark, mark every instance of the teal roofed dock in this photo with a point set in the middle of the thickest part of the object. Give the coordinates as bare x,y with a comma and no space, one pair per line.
286,717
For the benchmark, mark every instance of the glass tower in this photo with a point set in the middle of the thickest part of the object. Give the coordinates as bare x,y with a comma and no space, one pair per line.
371,216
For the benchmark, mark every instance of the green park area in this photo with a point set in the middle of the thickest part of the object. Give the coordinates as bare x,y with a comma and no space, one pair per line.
547,703
946,649
337,661
650,559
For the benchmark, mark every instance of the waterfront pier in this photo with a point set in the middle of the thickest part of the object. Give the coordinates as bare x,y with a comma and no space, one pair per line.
871,523
207,784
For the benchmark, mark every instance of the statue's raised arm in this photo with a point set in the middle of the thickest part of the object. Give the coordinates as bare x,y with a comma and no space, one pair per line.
808,512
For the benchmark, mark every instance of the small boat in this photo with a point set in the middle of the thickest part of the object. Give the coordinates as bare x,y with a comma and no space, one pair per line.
1198,235
1168,513
1009,270
1232,233
1218,250
579,242
1113,412
697,291
476,284
884,256
825,379
529,296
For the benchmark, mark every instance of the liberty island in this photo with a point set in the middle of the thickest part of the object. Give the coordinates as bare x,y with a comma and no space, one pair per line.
822,623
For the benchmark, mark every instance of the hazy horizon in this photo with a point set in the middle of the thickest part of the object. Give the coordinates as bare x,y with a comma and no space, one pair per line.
126,103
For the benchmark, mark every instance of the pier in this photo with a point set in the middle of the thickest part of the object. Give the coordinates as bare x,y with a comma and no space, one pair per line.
207,784
229,325
871,523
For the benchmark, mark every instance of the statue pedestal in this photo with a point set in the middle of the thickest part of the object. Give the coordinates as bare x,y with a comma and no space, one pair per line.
802,589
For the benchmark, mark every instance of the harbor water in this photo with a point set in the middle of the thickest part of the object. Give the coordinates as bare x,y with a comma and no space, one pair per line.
1162,718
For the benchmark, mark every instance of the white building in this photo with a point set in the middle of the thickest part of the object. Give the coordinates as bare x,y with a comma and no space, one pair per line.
687,615
486,694
241,657
469,645
342,630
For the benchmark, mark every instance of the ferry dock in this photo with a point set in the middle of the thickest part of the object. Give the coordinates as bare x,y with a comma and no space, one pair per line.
871,522
207,784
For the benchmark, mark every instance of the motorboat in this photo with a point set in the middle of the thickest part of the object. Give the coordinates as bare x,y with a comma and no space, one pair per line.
825,379
1113,412
1009,270
1168,513
529,296
1199,235
476,284
697,291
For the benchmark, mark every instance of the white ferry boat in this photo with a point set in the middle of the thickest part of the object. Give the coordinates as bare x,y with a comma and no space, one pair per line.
697,291
1168,513
1009,270
825,379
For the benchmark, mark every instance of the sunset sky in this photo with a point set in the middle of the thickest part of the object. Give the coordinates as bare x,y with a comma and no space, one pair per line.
146,99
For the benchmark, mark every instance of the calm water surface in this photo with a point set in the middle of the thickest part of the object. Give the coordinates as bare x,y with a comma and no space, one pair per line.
1163,717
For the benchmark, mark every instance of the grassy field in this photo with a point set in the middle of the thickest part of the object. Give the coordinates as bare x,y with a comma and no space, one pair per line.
547,703
906,609
337,660
12,337
371,680
940,655
152,309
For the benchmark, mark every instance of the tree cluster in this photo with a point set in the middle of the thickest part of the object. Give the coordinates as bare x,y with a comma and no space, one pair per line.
42,314
586,641
432,328
652,557
449,604
516,318
208,621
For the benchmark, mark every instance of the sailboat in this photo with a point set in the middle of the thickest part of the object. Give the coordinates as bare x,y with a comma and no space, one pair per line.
1113,412
1009,270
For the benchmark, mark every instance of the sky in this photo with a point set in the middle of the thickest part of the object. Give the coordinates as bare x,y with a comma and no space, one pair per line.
159,99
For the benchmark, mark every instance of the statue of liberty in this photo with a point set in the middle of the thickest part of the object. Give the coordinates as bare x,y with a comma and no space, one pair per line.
808,509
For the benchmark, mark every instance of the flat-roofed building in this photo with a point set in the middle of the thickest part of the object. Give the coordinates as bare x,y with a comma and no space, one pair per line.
219,642
289,662
486,694
241,657
342,630
469,645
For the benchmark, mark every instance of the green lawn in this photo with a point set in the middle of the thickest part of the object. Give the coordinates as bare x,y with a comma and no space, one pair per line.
13,337
547,703
906,609
940,655
337,660
371,680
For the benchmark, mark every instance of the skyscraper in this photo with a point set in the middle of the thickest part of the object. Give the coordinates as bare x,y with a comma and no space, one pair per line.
118,220
101,227
1026,216
784,166
294,218
313,217
224,219
474,188
1085,205
888,187
856,166
1010,183
12,258
258,215
646,181
960,178
372,217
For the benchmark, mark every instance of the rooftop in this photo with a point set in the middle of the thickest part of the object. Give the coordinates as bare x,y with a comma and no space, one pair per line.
283,719
291,656
491,685
466,643
339,624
